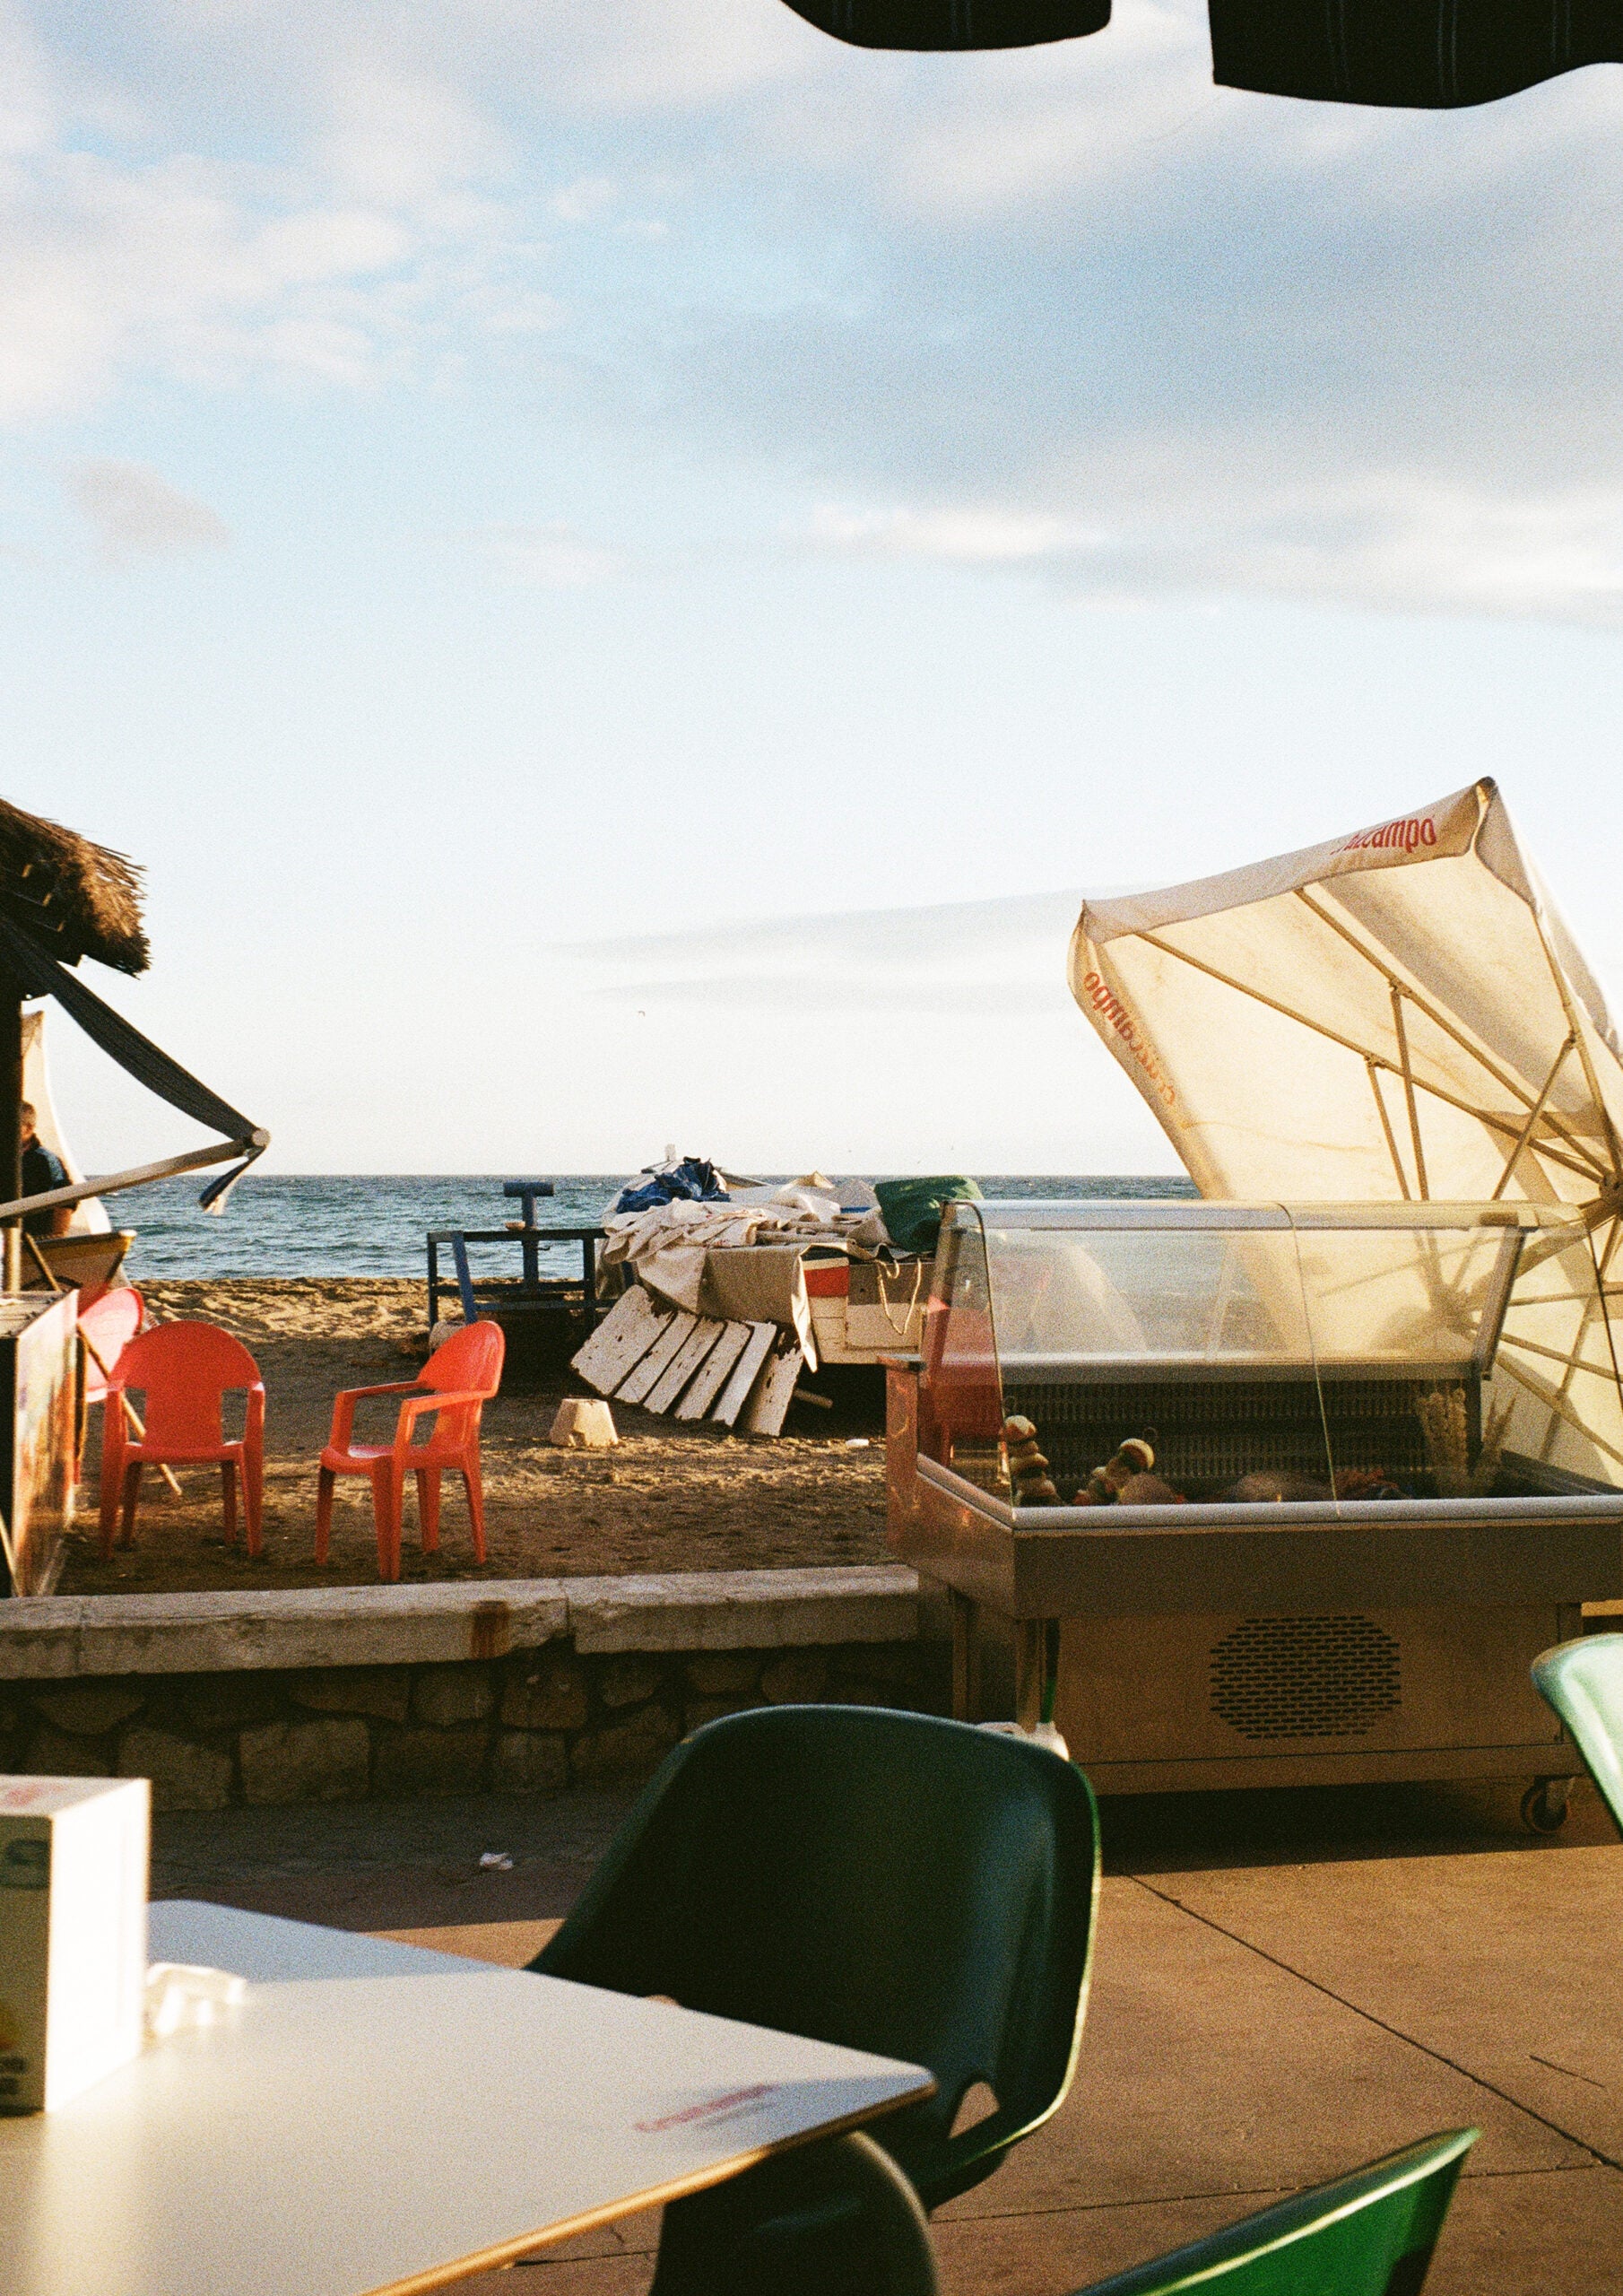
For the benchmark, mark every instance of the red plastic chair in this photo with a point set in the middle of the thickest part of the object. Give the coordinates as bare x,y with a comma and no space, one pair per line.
108,1320
107,1327
452,1388
184,1369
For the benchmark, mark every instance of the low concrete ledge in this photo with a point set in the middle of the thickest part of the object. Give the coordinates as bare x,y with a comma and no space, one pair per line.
527,1685
743,1610
57,1638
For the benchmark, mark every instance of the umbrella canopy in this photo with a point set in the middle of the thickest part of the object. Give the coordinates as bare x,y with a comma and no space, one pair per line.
1400,1013
954,24
1427,54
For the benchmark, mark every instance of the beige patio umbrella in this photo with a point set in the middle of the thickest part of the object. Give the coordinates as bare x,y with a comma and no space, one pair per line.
1399,1013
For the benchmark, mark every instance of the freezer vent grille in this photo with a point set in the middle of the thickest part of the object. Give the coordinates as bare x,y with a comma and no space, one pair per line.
1305,1677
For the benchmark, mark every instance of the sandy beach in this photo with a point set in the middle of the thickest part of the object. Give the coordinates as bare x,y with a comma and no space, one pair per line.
670,1498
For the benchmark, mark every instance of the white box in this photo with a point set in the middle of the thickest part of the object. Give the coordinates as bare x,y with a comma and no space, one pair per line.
73,1855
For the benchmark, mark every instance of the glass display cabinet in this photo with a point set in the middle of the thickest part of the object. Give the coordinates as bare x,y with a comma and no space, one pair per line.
1263,1495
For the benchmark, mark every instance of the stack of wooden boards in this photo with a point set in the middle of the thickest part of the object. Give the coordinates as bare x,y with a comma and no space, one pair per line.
665,1360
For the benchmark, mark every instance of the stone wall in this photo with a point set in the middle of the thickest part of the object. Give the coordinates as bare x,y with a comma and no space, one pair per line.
534,1718
534,1722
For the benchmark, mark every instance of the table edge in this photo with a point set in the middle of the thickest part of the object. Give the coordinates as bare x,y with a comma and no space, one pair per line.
508,2252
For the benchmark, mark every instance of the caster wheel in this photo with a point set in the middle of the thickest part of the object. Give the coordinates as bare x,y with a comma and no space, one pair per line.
1544,1808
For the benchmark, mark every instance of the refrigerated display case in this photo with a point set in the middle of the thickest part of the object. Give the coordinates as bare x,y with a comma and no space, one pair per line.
1294,1492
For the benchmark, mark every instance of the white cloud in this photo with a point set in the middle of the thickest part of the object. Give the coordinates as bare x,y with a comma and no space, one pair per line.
983,956
1069,311
975,534
550,556
580,201
137,513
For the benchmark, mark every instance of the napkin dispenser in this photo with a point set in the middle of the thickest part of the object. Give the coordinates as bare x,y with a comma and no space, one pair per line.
73,1855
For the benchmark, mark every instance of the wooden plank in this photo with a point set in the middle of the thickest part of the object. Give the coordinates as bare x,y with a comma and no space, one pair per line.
768,1405
707,1382
745,1373
683,1365
653,1364
621,1340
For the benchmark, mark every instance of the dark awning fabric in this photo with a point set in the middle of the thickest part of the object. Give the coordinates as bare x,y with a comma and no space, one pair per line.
954,24
38,974
1425,55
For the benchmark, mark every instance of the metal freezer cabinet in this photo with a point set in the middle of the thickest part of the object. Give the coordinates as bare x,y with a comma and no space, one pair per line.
1426,1394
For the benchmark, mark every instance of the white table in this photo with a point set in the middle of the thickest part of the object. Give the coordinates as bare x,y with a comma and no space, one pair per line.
379,2119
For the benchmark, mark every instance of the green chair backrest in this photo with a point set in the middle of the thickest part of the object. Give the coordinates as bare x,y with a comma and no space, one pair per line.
1369,2234
882,1880
1583,1681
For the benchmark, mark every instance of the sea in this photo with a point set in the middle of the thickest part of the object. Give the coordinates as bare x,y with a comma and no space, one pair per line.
334,1224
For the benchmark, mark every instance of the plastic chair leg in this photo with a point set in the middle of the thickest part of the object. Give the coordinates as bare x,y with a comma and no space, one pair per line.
475,1490
112,1485
325,1481
132,1500
253,1499
427,1506
386,1487
228,1489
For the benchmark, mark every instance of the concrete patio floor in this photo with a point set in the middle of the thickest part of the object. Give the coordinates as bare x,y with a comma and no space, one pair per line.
1284,1985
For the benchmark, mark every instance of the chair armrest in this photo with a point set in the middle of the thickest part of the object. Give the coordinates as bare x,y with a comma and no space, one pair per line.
256,1411
438,1398
345,1401
421,1406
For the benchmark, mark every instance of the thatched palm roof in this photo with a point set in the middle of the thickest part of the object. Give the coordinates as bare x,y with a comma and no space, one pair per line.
78,898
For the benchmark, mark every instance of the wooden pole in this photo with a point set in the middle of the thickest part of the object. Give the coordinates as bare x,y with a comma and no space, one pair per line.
10,1126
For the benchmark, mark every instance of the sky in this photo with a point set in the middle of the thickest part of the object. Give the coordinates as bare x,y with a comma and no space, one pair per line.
620,568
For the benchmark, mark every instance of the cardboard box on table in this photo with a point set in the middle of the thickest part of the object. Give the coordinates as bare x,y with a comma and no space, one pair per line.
73,1855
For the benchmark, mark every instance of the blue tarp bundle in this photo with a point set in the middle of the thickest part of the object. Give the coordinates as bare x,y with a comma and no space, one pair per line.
693,1181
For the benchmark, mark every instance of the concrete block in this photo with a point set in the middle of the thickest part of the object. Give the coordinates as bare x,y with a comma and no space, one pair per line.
324,1760
582,1424
443,1696
384,1693
544,1690
625,1750
412,1761
718,1672
529,1761
185,1776
629,1681
89,1709
743,1610
50,1637
51,1754
40,1636
797,1679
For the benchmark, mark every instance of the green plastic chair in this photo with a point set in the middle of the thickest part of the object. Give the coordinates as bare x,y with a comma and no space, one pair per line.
837,2218
885,1880
1369,2234
1583,1681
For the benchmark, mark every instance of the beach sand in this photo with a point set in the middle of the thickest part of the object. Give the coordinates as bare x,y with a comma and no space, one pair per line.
670,1498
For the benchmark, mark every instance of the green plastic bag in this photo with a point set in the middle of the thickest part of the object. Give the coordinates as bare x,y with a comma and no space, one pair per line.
912,1209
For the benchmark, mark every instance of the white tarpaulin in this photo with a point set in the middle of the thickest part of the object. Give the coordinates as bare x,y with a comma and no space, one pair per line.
1398,1014
89,1216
